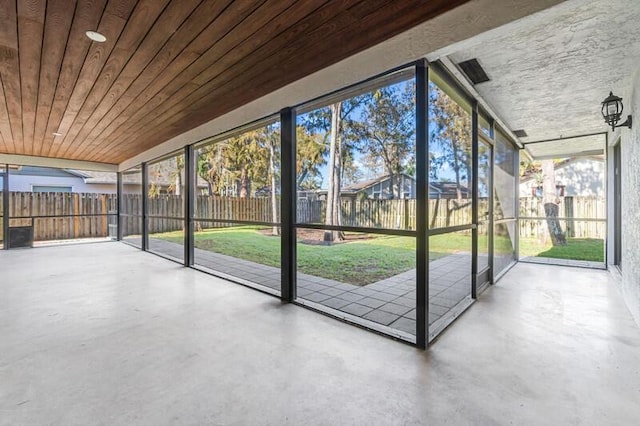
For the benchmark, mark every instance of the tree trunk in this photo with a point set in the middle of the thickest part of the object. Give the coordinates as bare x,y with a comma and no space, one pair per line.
244,183
274,199
332,212
550,201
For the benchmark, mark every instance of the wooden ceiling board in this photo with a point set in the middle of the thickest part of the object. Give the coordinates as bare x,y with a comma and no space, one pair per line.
56,32
156,38
87,14
234,21
167,65
90,74
172,56
10,72
5,125
30,33
213,65
145,14
229,89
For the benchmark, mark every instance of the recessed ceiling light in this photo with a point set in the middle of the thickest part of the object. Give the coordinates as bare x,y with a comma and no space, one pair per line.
95,36
57,134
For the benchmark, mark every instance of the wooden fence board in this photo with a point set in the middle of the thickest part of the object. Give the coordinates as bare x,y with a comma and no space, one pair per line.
370,213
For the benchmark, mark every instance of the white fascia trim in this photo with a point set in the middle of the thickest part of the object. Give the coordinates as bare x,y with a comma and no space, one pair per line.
461,23
59,163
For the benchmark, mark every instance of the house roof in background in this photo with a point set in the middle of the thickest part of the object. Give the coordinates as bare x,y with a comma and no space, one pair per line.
360,186
446,188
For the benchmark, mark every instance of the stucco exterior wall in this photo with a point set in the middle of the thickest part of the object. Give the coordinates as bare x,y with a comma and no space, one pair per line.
583,177
630,153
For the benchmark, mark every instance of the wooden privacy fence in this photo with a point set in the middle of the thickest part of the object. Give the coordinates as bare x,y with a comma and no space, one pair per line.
573,211
370,213
92,215
79,215
388,214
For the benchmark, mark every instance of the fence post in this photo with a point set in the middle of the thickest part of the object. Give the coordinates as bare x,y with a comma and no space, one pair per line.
76,212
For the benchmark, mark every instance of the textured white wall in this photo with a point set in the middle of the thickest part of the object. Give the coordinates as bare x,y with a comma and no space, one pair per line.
630,140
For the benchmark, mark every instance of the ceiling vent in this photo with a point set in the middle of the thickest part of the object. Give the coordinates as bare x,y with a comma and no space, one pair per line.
520,133
474,71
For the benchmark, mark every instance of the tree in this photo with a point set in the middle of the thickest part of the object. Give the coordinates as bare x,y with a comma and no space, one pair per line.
248,160
310,153
332,214
386,130
272,140
450,141
210,167
550,200
334,124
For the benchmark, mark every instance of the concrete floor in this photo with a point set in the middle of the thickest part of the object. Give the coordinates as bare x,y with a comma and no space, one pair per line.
106,334
390,302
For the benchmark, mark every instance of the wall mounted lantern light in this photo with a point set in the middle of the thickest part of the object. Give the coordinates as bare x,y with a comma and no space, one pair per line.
612,111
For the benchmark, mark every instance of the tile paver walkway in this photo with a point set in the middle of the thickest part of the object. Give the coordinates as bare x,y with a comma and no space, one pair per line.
563,262
389,302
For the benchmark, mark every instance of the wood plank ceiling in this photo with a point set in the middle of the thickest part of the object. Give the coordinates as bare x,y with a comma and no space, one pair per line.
167,65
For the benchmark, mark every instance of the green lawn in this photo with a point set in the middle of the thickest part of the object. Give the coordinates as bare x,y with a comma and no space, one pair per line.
362,262
357,262
591,249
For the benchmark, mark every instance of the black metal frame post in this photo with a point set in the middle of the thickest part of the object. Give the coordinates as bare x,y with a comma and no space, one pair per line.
190,186
5,207
145,205
474,200
516,174
288,204
119,218
422,173
491,202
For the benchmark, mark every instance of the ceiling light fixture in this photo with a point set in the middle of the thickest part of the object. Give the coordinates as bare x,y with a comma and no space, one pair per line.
57,134
96,36
612,111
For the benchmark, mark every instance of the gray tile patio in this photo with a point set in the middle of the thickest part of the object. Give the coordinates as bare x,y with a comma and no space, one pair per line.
389,302
563,262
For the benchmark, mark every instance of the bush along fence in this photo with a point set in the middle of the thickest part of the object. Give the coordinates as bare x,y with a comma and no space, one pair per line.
81,215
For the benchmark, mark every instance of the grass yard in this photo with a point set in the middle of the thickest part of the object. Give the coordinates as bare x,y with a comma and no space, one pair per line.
367,259
359,262
591,249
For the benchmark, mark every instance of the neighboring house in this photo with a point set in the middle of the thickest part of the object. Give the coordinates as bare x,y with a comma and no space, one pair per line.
380,188
582,176
44,179
447,190
404,187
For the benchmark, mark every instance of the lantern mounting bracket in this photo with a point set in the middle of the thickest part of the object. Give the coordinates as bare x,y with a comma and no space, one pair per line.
627,123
